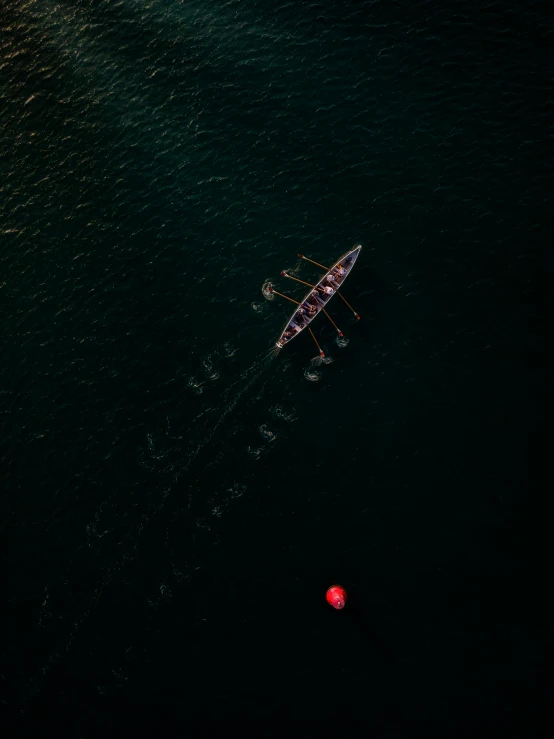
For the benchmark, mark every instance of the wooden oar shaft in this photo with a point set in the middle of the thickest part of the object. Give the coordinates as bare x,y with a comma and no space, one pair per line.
314,338
348,304
285,274
309,329
316,263
328,269
309,284
334,324
271,290
297,303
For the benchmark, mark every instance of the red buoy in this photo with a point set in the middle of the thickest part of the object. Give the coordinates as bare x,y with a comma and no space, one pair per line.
336,596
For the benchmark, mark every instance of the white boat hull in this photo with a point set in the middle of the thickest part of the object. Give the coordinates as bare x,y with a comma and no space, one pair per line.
297,322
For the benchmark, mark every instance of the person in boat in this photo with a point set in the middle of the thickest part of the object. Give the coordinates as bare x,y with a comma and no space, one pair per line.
339,271
328,290
309,310
331,280
315,299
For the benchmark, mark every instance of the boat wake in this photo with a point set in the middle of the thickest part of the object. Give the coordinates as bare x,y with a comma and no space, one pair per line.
206,443
209,369
188,476
255,453
195,386
185,461
278,412
266,433
258,307
210,419
227,349
312,375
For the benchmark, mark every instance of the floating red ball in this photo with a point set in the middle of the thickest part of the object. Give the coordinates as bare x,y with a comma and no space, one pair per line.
336,596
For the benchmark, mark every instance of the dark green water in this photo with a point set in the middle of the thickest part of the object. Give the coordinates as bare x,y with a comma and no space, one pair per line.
177,496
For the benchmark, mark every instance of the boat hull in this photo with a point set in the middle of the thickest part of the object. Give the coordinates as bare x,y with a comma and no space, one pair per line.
298,321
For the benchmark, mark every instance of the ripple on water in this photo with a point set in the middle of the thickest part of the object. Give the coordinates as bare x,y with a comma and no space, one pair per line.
277,411
313,372
266,433
258,307
195,386
227,349
266,290
253,452
312,375
236,490
209,369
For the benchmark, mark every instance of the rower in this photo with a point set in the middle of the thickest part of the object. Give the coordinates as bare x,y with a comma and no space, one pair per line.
328,290
309,309
340,270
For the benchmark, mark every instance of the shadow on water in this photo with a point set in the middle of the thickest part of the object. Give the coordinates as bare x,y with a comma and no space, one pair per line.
359,619
365,626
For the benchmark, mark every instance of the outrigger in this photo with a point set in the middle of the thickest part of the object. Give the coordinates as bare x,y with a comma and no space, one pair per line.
320,294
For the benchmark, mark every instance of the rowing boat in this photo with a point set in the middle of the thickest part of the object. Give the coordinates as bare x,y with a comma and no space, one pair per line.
300,320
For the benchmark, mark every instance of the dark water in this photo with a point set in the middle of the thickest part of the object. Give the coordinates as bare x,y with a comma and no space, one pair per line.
176,496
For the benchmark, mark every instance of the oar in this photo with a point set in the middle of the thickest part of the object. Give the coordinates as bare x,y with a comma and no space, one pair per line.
327,269
314,338
271,290
309,284
334,324
317,288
